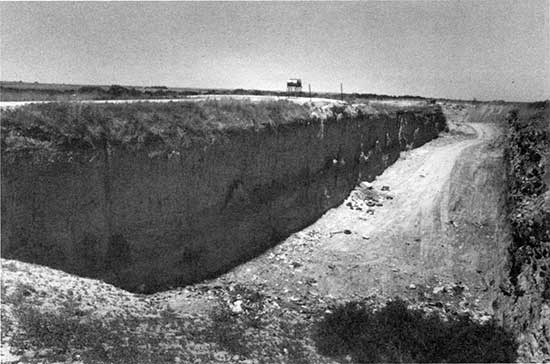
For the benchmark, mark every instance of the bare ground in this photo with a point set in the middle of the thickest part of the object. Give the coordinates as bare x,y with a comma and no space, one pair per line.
411,243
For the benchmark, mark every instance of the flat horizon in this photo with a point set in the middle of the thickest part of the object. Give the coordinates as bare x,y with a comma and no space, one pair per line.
485,50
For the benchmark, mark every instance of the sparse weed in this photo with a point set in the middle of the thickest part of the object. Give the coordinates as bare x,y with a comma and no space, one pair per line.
245,332
228,327
19,295
9,266
71,331
228,331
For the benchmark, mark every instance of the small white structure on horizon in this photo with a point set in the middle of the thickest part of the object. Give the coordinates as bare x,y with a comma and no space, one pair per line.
294,85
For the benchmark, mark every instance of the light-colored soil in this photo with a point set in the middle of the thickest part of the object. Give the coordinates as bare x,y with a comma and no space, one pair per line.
409,241
315,101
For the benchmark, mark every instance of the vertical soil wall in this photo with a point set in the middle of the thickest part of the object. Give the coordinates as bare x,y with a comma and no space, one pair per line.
146,222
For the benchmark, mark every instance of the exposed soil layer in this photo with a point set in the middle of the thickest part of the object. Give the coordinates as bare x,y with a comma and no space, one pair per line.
146,216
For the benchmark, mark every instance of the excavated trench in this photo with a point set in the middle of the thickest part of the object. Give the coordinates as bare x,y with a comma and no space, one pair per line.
148,222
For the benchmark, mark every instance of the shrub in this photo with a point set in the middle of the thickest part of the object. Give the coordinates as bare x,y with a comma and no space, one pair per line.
72,331
91,89
527,155
19,294
229,328
243,331
228,331
398,334
49,329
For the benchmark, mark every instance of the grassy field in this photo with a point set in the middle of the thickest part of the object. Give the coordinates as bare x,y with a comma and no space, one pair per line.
74,126
27,91
24,91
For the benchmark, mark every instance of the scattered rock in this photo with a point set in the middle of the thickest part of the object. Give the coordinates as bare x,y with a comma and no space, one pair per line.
365,185
385,188
458,289
485,318
222,356
6,356
345,231
29,354
412,286
45,352
236,307
311,282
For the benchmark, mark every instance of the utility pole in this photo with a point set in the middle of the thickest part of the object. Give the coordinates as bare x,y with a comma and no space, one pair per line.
342,91
309,86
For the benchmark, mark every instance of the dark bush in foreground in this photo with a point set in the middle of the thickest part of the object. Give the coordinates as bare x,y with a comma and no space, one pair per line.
398,334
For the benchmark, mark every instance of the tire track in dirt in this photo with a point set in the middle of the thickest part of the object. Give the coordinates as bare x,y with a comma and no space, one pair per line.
410,240
440,239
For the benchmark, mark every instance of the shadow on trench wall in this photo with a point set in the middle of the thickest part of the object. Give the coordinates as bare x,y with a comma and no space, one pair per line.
146,222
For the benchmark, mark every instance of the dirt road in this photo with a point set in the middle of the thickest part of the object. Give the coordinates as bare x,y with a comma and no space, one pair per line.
431,223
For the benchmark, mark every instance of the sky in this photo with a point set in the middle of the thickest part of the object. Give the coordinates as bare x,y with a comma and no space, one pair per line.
486,50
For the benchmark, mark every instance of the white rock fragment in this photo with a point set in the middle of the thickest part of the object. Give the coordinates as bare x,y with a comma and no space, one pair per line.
6,356
366,185
29,354
236,307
